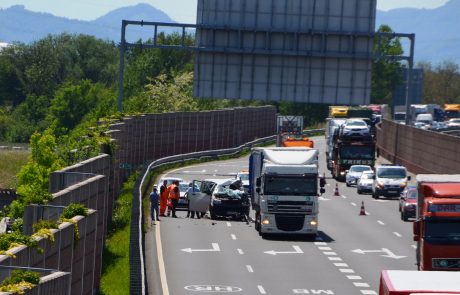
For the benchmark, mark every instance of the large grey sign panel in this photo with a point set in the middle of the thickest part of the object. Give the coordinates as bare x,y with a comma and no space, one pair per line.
295,50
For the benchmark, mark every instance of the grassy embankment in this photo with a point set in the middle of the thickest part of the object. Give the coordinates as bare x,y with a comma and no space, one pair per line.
10,164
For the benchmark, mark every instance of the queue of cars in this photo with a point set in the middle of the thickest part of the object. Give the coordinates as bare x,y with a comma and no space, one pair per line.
388,181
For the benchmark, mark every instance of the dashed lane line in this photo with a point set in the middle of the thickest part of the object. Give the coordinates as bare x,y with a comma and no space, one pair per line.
233,237
361,285
397,234
325,248
414,246
346,270
340,264
380,222
330,253
249,268
261,289
240,251
368,292
353,204
229,224
354,278
335,258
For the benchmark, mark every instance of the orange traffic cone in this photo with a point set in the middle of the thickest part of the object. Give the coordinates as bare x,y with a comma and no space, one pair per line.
336,192
362,211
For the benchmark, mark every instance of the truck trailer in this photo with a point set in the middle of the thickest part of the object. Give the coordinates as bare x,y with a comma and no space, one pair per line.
284,190
411,282
437,227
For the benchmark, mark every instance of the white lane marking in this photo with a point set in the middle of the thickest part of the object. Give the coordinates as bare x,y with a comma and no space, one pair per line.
325,248
249,268
233,237
380,222
229,224
353,204
215,248
367,213
161,262
414,246
380,201
368,292
297,250
330,253
261,289
340,264
320,243
344,197
362,285
335,258
354,277
346,270
240,251
397,234
328,184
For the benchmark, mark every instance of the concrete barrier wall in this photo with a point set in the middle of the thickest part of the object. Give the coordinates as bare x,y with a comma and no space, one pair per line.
421,151
96,182
57,283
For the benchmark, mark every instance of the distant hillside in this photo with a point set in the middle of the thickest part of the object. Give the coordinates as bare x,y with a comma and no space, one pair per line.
20,24
437,30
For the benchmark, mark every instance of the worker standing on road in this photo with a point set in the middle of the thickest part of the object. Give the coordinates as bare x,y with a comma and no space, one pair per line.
154,200
174,196
169,202
164,193
187,195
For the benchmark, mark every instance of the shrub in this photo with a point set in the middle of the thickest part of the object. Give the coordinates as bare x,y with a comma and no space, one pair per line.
19,281
74,210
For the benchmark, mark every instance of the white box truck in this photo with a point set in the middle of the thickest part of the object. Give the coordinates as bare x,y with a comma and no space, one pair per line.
284,190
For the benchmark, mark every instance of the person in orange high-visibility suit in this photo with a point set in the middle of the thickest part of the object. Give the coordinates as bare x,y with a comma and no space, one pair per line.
164,194
174,196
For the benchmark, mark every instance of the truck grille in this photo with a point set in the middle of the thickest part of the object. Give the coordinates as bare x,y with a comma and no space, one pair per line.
453,263
290,207
289,222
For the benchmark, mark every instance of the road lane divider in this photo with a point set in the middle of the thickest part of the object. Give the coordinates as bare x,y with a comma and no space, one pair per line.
249,268
261,289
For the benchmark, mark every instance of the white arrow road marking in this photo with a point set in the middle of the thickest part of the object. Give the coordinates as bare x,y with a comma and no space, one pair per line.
389,254
296,248
215,248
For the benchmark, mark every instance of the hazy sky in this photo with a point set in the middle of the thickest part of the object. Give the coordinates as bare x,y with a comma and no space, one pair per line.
183,11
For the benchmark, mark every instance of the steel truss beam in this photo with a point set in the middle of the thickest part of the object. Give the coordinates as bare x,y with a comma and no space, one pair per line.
294,51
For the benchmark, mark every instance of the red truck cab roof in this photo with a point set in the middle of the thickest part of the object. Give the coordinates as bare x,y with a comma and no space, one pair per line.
406,282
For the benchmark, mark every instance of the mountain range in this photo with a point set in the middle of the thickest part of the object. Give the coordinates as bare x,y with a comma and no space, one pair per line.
437,30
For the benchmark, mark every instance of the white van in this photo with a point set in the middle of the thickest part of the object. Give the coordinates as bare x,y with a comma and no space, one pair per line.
424,118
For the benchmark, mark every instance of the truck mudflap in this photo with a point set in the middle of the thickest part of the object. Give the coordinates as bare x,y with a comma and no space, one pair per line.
289,223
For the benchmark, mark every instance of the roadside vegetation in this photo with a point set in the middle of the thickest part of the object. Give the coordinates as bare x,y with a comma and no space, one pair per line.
60,93
10,164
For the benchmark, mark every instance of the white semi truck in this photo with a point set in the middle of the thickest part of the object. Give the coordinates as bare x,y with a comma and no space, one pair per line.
284,190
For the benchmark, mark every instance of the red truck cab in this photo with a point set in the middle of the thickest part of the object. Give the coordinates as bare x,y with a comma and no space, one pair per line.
437,226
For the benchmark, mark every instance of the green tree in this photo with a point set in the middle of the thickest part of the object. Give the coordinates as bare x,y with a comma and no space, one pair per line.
386,73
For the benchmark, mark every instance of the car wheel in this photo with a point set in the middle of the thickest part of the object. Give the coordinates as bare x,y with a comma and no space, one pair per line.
212,214
374,195
359,191
348,185
404,216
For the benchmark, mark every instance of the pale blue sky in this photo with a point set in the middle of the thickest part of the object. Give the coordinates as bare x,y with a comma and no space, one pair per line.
180,10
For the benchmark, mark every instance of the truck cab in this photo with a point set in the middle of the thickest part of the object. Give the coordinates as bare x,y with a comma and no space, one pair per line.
437,227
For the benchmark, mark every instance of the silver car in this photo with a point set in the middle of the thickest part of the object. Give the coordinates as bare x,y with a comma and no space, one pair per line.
365,182
354,173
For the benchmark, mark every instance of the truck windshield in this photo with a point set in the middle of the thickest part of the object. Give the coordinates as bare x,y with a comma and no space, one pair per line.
391,173
446,229
400,117
276,185
357,153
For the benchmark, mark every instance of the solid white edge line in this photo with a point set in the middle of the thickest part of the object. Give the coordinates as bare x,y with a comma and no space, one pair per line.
161,263
261,289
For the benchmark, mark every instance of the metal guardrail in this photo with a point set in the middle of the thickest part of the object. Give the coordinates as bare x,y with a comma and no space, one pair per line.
137,264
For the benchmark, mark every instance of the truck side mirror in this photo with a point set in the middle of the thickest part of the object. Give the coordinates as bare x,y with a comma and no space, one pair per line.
258,182
416,230
322,190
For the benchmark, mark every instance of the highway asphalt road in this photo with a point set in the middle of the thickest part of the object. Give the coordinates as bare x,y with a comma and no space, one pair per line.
229,257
